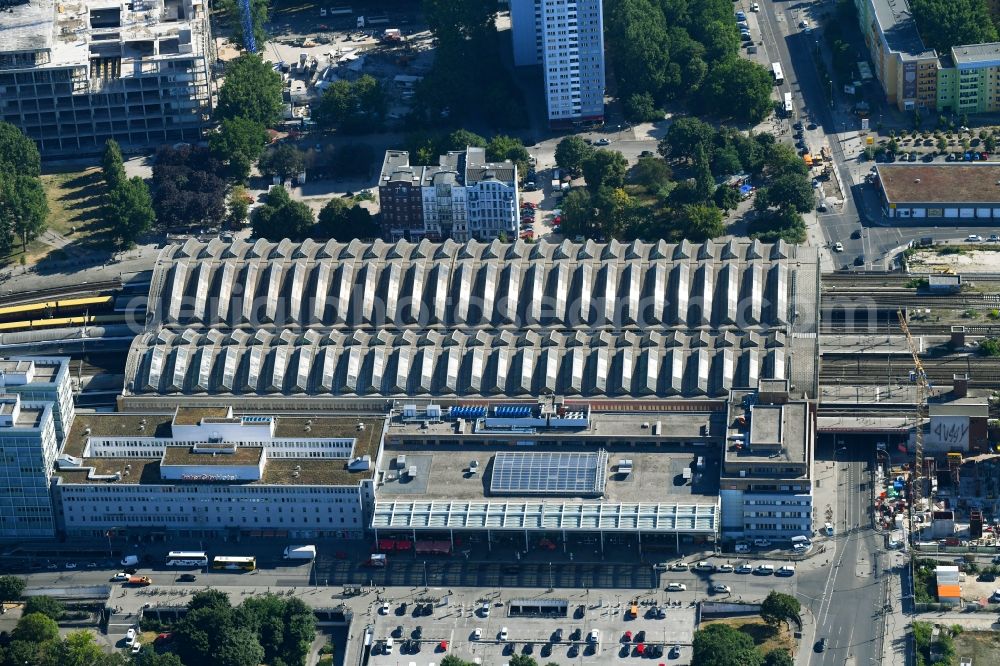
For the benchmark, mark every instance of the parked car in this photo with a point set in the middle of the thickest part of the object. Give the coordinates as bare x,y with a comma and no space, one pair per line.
676,587
724,568
704,566
504,633
603,142
785,570
719,588
187,578
994,238
129,637
838,247
754,7
119,577
594,636
679,566
973,238
477,633
744,569
764,570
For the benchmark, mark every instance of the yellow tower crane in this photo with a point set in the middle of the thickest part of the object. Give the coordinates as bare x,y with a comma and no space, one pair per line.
923,390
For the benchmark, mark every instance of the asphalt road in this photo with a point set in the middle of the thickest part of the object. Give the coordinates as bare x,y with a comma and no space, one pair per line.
845,596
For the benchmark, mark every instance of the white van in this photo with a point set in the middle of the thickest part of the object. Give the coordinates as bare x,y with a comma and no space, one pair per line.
828,528
388,645
130,560
800,539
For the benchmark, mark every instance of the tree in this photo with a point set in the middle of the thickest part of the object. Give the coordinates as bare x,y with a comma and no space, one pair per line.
233,16
130,209
641,107
239,206
353,107
721,645
737,88
452,660
252,90
11,588
153,658
779,607
727,198
577,213
726,161
571,153
239,143
684,138
522,660
23,209
778,657
503,147
942,144
947,23
187,190
112,167
341,221
785,223
704,222
605,168
238,647
280,217
285,161
35,628
208,599
704,183
197,634
80,649
18,153
791,189
651,172
460,139
47,606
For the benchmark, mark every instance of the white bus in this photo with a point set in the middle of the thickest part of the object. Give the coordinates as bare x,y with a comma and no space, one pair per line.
182,558
779,77
788,104
232,563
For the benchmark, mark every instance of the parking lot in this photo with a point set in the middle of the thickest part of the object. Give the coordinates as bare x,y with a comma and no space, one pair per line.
463,628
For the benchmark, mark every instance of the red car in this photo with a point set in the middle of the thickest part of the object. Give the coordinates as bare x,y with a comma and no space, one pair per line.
640,649
627,637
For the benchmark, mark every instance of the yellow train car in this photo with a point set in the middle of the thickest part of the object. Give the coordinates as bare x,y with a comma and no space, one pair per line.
27,311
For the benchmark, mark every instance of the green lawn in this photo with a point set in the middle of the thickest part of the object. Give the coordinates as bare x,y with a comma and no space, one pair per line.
75,210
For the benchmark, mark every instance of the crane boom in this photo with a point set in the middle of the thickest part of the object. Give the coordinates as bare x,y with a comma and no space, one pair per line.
923,389
246,18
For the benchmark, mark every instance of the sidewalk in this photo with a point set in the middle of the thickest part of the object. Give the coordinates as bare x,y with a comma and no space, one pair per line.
804,653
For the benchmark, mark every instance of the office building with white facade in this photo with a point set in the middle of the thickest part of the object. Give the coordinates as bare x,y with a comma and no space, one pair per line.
28,449
41,379
766,482
565,37
205,472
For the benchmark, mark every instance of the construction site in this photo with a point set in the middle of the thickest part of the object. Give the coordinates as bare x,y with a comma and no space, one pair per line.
76,74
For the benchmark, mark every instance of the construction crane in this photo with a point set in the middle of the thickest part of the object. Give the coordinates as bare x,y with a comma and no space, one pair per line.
923,391
246,16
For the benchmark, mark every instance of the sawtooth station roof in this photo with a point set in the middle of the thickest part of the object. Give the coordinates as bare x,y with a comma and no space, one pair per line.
475,319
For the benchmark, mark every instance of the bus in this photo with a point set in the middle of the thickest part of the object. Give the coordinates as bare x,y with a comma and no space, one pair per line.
232,563
788,104
181,558
779,78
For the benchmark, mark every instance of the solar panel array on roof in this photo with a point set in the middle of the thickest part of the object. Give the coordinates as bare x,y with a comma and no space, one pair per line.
548,473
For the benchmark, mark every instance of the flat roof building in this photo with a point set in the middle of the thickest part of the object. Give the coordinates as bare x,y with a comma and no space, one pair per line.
210,472
940,191
41,379
767,467
28,449
75,74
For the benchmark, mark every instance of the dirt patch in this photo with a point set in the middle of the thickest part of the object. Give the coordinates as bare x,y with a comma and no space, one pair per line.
982,647
960,259
765,636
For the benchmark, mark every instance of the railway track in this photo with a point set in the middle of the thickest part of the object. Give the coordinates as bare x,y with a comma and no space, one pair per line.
59,292
864,369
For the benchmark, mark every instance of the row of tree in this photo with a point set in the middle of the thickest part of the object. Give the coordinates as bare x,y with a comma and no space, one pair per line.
947,23
425,147
266,629
665,51
340,219
24,209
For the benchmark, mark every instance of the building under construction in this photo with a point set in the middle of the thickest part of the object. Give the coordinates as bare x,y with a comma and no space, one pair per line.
75,74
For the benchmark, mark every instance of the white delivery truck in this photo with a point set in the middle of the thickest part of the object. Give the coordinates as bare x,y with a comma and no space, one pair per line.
300,553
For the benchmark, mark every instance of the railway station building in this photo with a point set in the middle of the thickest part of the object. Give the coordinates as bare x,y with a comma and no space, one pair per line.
205,472
545,395
949,193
